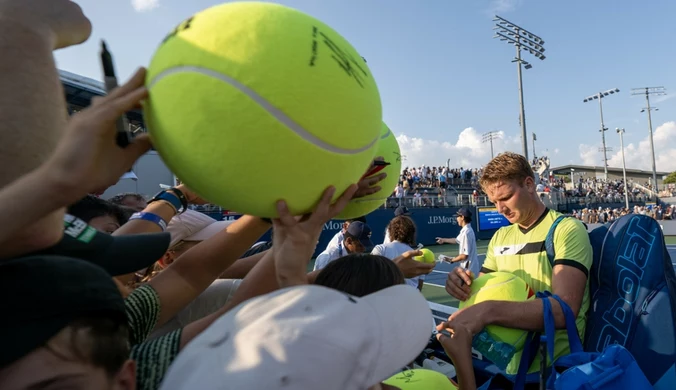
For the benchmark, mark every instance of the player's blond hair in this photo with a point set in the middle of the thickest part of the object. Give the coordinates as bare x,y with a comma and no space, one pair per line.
507,166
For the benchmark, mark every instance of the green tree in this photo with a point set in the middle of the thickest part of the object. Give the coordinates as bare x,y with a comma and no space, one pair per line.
671,178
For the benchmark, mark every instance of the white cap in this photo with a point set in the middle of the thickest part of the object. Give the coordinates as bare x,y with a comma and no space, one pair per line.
194,226
306,337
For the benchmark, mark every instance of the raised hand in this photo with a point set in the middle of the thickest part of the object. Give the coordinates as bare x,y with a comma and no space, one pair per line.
87,158
368,183
294,239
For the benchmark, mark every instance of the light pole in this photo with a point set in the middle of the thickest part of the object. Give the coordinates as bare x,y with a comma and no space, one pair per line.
624,168
489,137
600,96
650,91
522,40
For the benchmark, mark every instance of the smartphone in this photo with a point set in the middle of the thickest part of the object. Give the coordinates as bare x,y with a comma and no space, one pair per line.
445,258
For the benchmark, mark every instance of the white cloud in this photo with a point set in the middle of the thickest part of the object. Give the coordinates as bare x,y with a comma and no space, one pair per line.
467,151
503,6
145,5
638,155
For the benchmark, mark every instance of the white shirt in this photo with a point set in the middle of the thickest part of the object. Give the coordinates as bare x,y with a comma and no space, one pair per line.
467,242
387,237
329,255
393,250
337,239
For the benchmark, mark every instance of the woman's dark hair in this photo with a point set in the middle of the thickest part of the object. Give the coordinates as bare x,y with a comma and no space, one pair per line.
360,274
91,207
402,229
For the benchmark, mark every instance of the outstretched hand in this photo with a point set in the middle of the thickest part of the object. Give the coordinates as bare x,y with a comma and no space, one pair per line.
368,183
294,239
410,267
88,159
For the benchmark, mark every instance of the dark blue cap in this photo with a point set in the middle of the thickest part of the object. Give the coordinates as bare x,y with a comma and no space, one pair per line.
362,232
464,213
401,210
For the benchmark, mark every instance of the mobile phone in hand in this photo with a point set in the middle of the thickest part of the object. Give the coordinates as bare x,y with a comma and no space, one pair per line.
445,258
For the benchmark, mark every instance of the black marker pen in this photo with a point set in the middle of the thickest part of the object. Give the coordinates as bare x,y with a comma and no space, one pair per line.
123,137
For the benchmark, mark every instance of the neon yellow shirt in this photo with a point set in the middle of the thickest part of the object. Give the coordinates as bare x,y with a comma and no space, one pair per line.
522,252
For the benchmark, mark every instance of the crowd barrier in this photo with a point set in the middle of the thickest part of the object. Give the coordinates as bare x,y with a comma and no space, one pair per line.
430,223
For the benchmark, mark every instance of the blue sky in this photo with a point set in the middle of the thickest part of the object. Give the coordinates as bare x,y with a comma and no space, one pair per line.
444,81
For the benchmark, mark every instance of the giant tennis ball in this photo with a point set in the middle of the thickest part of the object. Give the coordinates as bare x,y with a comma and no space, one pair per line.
426,257
500,286
388,148
420,379
254,102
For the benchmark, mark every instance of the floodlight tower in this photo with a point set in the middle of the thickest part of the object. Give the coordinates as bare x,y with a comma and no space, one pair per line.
599,96
489,137
650,91
526,41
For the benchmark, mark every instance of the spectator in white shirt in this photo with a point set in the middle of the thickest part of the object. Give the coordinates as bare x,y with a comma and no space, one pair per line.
340,236
401,210
402,231
467,241
357,240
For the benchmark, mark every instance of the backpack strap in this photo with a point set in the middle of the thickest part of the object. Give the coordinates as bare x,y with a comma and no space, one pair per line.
549,240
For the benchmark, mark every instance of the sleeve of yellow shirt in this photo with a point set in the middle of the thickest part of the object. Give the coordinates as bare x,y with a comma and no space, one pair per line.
572,246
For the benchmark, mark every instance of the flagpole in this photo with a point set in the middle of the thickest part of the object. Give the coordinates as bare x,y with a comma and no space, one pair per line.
534,155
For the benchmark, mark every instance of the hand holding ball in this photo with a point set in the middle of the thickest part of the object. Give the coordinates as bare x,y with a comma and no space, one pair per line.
500,286
426,257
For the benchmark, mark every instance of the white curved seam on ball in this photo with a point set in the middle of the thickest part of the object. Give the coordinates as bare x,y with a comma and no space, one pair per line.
266,105
496,284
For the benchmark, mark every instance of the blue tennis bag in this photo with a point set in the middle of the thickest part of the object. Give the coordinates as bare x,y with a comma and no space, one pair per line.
633,296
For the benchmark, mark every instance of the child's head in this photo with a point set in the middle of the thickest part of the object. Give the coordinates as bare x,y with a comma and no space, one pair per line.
360,274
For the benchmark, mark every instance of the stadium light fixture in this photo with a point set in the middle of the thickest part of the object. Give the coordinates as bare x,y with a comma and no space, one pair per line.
600,96
650,91
523,40
624,168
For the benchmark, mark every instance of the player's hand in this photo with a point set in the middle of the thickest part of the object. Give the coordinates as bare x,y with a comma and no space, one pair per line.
294,239
412,268
458,282
440,240
62,22
88,158
368,183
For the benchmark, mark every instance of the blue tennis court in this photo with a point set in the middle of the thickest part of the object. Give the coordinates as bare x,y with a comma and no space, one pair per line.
440,273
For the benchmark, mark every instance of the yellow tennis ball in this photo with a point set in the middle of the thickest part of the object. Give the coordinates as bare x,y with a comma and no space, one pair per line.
388,148
500,286
254,102
420,379
426,257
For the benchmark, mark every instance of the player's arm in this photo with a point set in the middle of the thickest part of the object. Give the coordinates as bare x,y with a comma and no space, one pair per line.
441,240
569,280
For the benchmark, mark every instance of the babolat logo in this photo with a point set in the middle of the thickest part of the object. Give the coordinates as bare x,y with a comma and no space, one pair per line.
332,225
439,219
631,262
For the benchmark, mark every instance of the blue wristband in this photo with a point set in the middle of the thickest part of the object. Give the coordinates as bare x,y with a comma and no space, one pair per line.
150,217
